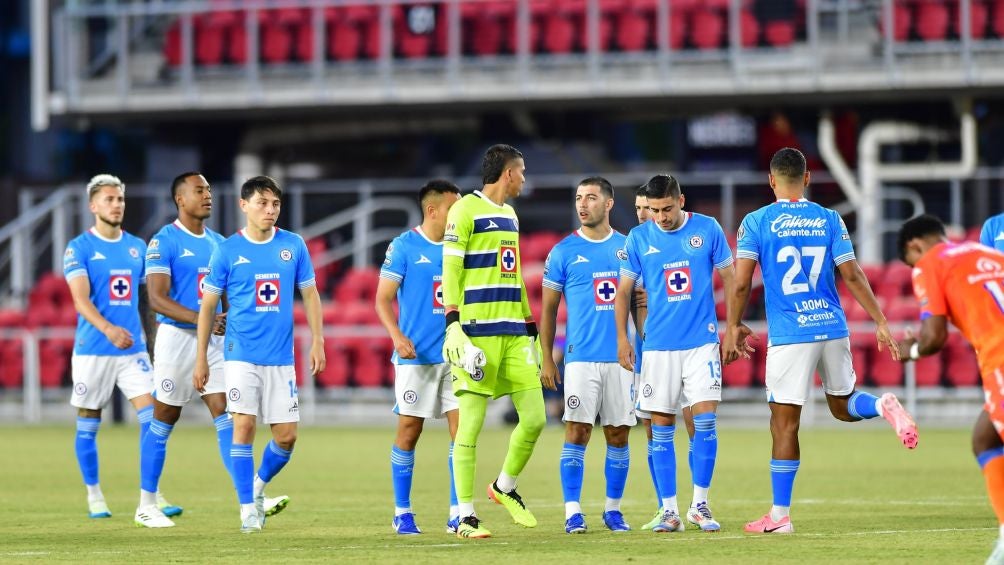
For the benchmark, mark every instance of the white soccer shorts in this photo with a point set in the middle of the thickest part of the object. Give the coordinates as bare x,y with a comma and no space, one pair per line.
269,390
598,388
669,377
790,370
424,391
174,363
96,376
636,398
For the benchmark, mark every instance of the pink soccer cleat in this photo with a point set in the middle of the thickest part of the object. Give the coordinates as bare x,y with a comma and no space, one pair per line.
766,525
900,420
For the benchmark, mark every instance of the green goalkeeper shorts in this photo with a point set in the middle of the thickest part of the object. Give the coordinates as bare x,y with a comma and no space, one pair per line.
511,367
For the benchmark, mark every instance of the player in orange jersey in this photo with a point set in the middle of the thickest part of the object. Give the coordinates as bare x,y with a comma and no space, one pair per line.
963,284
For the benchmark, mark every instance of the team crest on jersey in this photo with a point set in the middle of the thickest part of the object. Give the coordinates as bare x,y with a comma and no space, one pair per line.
478,374
134,253
678,281
604,290
120,288
573,402
437,296
646,391
80,389
696,241
234,395
200,283
167,385
507,259
266,293
622,254
286,255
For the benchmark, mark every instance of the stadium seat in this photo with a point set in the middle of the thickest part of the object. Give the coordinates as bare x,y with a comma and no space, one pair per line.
962,368
408,44
172,44
56,355
932,21
317,246
707,29
210,40
534,286
779,33
11,363
902,23
903,309
749,29
11,318
336,370
979,15
739,373
884,371
371,360
358,285
928,370
896,281
862,347
973,233
997,23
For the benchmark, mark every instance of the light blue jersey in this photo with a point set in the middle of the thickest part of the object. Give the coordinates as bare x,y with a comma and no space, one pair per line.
183,256
114,270
798,244
677,268
992,234
586,271
258,279
416,263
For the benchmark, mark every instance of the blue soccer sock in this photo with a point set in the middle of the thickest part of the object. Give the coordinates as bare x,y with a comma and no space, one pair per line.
704,451
453,486
402,466
86,444
225,439
573,457
152,453
242,467
664,461
690,456
782,480
272,461
862,406
145,416
651,472
616,472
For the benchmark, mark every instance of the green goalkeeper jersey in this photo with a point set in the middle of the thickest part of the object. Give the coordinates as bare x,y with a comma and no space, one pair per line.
481,268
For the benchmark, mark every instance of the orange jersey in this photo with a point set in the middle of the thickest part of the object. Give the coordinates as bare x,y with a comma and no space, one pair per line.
965,283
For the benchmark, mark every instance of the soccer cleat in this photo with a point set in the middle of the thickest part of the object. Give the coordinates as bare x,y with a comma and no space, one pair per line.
670,522
576,524
654,521
167,508
259,507
98,509
900,419
405,524
997,556
700,516
767,525
150,516
514,504
275,505
452,524
470,527
251,524
614,521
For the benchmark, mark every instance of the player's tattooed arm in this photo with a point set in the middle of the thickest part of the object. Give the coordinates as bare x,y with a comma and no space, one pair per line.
148,318
80,291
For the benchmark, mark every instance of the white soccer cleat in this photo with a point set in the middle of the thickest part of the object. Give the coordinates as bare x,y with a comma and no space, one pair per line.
150,516
275,505
700,516
670,522
259,506
251,523
98,509
997,557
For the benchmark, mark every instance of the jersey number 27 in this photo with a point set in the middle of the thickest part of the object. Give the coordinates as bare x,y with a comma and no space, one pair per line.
788,284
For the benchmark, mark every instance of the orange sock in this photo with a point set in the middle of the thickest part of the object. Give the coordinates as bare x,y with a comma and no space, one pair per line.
993,472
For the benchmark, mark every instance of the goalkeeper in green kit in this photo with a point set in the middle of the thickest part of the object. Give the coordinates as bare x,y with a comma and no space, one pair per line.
491,338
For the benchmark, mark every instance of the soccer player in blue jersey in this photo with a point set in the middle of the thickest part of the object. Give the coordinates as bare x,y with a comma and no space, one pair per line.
799,244
412,273
104,270
584,268
676,255
992,233
257,268
177,259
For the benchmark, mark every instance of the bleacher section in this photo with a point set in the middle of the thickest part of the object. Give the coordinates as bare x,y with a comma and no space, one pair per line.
361,360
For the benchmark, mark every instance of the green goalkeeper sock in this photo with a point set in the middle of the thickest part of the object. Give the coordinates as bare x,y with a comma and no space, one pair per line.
472,418
532,416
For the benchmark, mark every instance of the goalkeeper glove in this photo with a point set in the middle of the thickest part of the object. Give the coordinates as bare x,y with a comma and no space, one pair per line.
455,344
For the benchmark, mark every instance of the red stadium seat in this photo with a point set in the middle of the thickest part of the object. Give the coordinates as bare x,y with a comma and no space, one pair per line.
962,368
210,42
749,29
884,371
997,23
903,309
316,247
336,370
56,355
896,282
862,347
928,370
276,41
932,21
11,363
172,44
11,318
410,45
358,285
739,373
707,29
979,15
779,33
371,361
901,16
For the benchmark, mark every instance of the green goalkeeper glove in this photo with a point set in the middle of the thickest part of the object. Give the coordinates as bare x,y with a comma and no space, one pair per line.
455,344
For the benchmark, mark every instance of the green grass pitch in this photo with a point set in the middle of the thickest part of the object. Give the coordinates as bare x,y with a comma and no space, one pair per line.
859,497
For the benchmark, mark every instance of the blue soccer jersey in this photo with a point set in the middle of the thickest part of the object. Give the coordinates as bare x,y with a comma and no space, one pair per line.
677,268
416,264
587,272
114,270
183,256
798,244
992,234
258,278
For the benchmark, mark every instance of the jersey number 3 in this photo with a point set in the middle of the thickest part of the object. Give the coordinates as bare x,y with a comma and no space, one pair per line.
788,284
